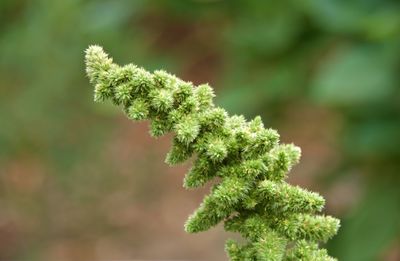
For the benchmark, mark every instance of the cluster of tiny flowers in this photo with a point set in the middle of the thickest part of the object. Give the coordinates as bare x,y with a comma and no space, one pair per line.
278,220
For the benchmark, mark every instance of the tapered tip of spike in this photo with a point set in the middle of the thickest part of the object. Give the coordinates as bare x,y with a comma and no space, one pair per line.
96,61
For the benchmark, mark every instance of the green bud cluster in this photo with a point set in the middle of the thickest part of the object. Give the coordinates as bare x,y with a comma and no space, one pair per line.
278,221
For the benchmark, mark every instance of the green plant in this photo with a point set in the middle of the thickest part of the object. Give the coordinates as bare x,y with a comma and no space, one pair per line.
278,220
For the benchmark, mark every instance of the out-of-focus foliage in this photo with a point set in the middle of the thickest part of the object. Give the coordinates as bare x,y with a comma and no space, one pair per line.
324,72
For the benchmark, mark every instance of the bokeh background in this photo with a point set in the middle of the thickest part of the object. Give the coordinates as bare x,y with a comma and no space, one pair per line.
79,181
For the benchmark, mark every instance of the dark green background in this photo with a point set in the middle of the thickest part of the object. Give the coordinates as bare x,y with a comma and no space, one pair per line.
78,181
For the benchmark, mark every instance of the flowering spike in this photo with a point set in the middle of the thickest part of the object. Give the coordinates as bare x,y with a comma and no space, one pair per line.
279,221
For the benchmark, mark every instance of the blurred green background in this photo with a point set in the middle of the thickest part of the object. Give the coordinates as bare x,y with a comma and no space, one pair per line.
79,181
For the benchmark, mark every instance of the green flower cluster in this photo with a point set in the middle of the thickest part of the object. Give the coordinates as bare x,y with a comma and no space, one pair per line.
277,220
